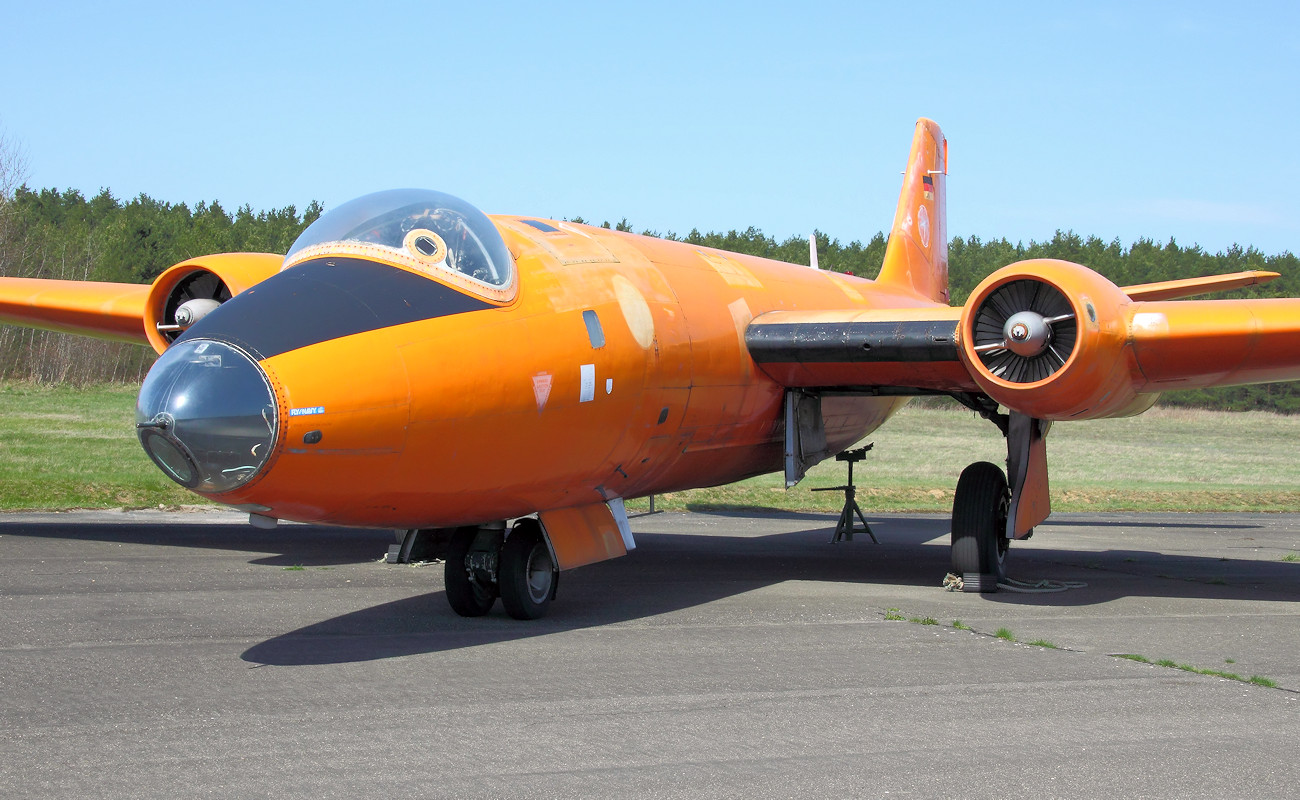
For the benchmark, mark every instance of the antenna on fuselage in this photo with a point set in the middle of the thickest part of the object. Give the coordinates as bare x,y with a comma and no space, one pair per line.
812,251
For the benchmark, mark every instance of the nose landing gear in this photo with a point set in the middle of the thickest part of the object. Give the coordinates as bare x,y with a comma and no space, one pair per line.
483,564
471,569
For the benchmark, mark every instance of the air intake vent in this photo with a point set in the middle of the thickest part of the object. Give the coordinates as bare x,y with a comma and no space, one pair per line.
199,285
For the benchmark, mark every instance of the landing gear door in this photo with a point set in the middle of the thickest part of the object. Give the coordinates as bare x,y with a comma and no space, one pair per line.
805,435
587,534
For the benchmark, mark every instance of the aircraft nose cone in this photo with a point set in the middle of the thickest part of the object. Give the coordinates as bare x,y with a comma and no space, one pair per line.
206,415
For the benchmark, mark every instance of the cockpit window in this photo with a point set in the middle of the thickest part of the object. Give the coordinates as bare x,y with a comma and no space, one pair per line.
426,229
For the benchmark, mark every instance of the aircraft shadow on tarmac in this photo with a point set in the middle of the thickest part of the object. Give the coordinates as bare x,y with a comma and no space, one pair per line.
671,572
290,545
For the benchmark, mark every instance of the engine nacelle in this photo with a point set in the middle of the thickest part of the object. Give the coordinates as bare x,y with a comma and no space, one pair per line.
1049,339
185,293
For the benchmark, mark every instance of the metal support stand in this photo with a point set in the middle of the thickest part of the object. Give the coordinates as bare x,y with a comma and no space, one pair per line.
652,510
847,525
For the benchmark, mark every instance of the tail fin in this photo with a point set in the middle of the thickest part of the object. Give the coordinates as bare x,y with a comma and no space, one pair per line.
916,257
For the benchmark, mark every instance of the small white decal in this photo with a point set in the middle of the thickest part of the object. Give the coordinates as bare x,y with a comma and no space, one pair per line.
542,389
609,386
923,224
588,390
306,412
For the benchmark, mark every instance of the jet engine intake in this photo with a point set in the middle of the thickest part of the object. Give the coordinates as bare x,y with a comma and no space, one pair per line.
1049,339
190,290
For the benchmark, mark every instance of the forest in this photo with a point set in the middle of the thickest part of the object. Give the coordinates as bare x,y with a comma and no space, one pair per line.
49,233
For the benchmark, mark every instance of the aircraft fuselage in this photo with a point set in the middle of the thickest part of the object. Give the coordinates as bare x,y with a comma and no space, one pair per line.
608,373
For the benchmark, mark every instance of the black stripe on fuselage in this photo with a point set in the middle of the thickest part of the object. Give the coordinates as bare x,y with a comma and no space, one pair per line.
852,342
324,299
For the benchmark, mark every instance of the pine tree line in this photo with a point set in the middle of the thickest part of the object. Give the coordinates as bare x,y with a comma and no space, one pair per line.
61,234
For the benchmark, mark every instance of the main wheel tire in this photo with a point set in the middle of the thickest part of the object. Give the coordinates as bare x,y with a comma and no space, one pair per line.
468,596
527,573
979,520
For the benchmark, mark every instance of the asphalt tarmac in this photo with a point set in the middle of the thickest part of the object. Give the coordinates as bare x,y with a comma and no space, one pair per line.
152,654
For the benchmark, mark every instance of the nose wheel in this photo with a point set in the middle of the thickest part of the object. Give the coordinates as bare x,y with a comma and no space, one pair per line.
471,570
520,570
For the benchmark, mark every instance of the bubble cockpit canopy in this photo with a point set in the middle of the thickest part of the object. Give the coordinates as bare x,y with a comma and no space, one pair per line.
432,232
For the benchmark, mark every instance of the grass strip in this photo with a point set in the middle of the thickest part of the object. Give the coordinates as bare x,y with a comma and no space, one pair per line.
1163,460
1258,680
64,448
76,448
1132,657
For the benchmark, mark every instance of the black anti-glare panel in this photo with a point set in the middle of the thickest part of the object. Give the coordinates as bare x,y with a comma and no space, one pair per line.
328,298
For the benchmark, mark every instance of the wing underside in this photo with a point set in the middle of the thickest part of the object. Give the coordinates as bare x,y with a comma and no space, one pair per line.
899,351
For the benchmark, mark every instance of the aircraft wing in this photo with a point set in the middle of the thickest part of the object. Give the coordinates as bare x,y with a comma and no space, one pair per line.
1050,339
104,310
152,314
1102,352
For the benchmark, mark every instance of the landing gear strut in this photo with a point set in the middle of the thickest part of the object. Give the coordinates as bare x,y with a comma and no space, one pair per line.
990,508
483,564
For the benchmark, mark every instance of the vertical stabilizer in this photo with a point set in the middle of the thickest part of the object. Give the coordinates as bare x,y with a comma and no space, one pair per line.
916,257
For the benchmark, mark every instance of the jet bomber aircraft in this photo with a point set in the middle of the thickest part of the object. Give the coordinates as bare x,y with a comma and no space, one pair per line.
506,382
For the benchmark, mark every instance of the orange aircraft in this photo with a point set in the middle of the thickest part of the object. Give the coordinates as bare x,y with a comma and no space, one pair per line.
415,364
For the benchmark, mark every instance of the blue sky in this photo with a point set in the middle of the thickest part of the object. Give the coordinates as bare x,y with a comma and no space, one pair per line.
1114,119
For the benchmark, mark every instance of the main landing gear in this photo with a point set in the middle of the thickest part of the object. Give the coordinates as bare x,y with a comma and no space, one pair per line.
483,563
979,523
989,508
